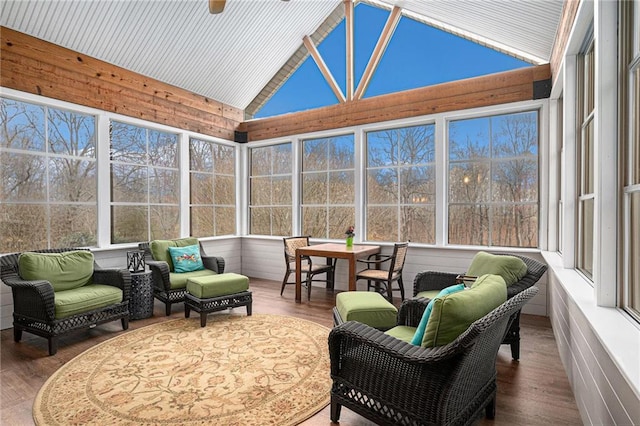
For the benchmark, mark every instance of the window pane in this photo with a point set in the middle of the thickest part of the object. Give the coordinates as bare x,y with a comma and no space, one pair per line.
71,133
129,224
382,186
418,185
382,149
260,220
417,224
200,156
314,222
22,125
72,180
23,227
515,226
224,159
164,186
634,146
314,188
201,221
281,221
128,184
225,190
469,139
225,220
382,223
588,168
260,191
417,145
314,155
282,190
201,188
585,259
340,218
163,149
128,143
282,159
469,225
260,161
341,152
634,252
515,181
23,177
74,225
164,222
469,182
515,135
341,187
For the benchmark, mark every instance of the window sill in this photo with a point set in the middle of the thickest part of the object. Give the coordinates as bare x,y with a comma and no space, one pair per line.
618,333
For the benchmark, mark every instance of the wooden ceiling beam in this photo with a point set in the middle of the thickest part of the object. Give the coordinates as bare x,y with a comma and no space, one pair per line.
349,24
323,68
378,51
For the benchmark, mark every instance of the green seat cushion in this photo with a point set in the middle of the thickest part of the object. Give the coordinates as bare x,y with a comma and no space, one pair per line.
428,294
454,313
217,285
510,268
179,280
366,307
85,299
186,259
419,334
65,271
402,332
160,248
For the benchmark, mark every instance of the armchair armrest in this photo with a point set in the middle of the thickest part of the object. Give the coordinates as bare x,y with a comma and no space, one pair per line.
34,299
214,263
160,274
120,278
432,280
411,311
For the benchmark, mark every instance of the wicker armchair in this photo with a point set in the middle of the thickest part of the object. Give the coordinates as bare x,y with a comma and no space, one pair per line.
431,280
34,308
391,382
161,279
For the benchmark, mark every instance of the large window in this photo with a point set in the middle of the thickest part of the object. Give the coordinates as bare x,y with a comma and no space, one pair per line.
493,180
631,166
48,174
328,194
585,161
213,188
145,184
401,184
270,190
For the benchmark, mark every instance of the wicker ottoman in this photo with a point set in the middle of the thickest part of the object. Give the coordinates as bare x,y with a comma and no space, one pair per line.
215,293
367,307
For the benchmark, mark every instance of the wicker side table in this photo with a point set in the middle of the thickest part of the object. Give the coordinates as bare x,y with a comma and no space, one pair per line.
141,300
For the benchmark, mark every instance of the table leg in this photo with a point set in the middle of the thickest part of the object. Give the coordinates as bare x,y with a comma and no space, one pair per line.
331,275
298,278
352,273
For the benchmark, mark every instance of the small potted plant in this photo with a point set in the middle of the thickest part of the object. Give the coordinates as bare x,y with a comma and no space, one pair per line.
350,234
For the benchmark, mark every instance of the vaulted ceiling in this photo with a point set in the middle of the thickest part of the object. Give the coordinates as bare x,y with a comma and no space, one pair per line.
242,55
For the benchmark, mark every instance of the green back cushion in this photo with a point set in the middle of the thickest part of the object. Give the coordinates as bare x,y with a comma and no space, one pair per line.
160,248
419,333
186,259
454,313
65,271
510,268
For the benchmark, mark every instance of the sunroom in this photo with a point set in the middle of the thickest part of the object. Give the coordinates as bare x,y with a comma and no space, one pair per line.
125,122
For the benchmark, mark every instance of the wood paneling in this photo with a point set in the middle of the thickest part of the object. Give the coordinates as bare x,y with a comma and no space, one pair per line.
569,11
35,66
495,89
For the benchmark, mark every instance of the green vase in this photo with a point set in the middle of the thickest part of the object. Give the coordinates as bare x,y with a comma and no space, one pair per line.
349,242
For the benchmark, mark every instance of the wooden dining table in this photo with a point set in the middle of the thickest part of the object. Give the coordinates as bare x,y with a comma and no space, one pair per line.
333,251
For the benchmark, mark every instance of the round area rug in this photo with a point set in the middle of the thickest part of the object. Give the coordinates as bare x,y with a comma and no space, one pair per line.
238,370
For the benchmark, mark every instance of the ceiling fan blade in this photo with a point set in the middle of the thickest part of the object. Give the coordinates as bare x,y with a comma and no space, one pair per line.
216,6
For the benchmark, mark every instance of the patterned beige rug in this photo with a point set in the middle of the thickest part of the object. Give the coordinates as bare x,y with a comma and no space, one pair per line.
238,370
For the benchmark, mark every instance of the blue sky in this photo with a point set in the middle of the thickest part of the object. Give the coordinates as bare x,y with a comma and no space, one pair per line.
417,56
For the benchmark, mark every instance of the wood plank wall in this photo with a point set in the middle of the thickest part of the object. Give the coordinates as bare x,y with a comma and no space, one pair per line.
494,89
35,66
569,11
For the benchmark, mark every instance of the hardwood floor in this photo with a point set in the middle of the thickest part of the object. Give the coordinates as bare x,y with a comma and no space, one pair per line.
534,391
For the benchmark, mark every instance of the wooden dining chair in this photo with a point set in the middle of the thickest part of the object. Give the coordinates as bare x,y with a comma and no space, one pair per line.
382,279
308,267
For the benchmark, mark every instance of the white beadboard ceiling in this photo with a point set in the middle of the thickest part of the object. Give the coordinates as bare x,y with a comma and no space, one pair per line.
232,56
